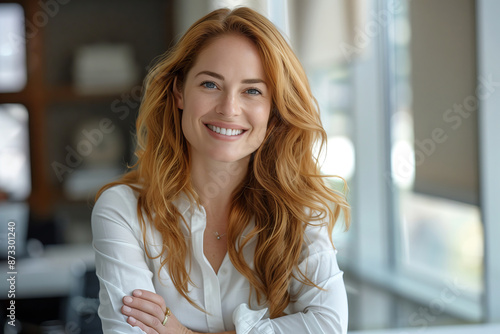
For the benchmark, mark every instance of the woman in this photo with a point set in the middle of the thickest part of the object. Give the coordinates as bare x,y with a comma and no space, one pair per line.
225,220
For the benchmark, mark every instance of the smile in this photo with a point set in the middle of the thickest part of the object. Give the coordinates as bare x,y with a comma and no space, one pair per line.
224,131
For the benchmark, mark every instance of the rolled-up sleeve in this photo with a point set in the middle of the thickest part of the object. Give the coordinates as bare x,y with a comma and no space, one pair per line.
314,310
120,260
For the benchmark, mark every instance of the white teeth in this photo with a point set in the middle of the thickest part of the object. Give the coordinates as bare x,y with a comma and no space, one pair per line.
223,131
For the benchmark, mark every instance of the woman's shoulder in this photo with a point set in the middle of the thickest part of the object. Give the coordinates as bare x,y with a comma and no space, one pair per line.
119,193
317,237
118,203
114,216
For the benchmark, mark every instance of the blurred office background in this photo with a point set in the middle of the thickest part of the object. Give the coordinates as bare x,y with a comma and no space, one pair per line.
409,97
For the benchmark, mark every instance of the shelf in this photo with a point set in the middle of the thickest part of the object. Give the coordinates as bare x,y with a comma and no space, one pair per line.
59,113
18,97
69,94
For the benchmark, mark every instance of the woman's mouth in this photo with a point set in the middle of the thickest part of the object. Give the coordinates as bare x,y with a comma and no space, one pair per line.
225,131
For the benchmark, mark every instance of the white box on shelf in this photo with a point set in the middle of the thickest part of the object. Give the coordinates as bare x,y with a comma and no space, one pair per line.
104,69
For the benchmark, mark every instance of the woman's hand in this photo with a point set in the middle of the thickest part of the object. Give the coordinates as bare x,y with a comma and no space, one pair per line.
146,310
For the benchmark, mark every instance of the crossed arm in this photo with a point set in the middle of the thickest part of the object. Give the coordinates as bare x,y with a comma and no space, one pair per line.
146,310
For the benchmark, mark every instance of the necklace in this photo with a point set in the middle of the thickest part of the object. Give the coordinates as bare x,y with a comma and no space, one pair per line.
218,236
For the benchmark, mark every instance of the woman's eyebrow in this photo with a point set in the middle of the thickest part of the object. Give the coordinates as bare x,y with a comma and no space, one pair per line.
253,81
220,77
212,74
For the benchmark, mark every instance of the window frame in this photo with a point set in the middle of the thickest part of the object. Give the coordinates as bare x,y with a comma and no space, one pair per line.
374,228
488,48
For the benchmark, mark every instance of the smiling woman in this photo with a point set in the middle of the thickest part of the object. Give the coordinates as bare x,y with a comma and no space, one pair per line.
225,222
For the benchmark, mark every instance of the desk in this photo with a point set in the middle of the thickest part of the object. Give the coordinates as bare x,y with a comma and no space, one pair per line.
464,329
51,275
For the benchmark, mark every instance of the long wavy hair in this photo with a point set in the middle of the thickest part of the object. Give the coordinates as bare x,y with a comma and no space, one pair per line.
283,190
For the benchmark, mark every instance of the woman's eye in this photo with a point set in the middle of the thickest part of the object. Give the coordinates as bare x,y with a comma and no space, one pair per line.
209,84
253,91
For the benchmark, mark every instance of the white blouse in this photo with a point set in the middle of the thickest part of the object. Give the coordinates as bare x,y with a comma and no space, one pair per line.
123,266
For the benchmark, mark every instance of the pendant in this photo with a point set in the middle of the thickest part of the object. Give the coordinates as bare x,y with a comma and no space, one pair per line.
218,236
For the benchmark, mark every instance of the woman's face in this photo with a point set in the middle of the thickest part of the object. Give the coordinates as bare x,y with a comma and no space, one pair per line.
226,101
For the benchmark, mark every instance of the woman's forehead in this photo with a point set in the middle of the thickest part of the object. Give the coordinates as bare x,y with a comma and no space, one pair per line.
235,55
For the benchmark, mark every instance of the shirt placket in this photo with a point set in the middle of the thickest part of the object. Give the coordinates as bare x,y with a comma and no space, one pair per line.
211,287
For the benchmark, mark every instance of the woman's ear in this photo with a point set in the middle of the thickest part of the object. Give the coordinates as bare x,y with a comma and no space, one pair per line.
179,99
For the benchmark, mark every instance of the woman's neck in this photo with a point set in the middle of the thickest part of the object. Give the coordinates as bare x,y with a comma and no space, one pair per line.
215,181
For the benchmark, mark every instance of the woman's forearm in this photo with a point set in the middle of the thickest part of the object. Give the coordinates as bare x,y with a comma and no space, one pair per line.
231,332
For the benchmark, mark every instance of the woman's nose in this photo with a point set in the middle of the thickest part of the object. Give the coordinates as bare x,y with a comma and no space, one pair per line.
228,106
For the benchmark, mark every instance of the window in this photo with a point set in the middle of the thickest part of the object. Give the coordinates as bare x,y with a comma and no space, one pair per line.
15,175
12,48
433,149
